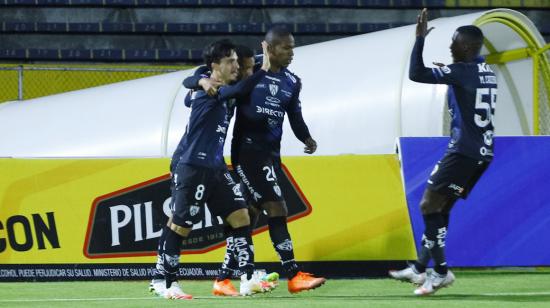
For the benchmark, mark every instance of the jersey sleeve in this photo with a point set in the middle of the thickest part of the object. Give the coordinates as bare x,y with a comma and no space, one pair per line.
187,100
192,82
450,74
295,117
241,88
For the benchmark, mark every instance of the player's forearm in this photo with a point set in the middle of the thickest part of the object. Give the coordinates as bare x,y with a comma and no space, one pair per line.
242,87
298,125
417,70
192,82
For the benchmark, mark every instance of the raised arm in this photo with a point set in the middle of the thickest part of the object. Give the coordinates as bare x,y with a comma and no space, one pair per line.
417,70
245,86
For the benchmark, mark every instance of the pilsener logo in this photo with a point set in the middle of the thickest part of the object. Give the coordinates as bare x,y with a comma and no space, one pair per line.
128,222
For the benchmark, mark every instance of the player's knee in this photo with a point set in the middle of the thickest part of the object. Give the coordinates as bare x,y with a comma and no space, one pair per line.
433,202
428,206
238,218
275,208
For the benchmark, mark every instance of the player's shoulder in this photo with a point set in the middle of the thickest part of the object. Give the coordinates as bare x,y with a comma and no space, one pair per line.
477,66
291,76
458,69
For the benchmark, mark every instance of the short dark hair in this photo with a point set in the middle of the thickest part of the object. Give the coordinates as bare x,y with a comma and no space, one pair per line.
242,53
472,34
214,52
276,34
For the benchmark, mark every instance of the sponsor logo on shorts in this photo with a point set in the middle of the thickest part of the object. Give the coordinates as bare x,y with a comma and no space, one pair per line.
456,188
194,210
277,190
237,190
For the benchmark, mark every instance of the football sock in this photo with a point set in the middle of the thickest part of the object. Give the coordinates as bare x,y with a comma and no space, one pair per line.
282,243
243,250
171,255
229,262
446,218
158,272
424,257
436,233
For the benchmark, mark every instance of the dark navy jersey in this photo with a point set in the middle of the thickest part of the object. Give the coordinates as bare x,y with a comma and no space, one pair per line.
204,138
259,120
471,99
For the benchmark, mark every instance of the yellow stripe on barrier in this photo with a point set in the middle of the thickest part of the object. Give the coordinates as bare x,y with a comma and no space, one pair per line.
358,210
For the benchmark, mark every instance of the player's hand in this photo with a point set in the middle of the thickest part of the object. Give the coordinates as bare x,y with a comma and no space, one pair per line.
210,86
266,65
422,24
311,146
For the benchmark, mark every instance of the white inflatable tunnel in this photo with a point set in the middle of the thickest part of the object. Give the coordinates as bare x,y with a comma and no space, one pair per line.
356,98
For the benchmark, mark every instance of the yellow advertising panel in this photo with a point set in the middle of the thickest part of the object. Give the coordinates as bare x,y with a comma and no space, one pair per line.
111,211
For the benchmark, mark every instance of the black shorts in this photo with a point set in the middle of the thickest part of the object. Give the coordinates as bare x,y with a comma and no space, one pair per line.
195,186
456,175
259,172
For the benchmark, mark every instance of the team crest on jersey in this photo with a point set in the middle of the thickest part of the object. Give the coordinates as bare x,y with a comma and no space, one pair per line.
273,89
277,190
194,210
488,137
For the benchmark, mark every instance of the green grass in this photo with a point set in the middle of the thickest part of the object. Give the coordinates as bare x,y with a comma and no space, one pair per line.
472,289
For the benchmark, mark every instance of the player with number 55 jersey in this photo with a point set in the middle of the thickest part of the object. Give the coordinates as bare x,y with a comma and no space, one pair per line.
471,98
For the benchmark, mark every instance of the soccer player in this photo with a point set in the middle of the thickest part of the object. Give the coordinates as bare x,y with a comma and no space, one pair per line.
256,148
471,99
200,175
201,78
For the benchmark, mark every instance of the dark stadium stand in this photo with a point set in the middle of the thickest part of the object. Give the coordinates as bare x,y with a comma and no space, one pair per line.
284,3
234,3
189,28
176,30
103,55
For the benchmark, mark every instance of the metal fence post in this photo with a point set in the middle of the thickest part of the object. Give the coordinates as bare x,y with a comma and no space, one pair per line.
20,82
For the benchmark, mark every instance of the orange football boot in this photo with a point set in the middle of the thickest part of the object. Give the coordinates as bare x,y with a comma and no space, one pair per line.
304,281
224,288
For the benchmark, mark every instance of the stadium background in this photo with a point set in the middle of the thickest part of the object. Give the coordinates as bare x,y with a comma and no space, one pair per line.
164,35
64,43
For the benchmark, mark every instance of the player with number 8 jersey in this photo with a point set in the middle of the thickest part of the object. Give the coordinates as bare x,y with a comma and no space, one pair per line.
200,175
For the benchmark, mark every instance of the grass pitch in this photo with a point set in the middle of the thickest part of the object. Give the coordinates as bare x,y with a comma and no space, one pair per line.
510,288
